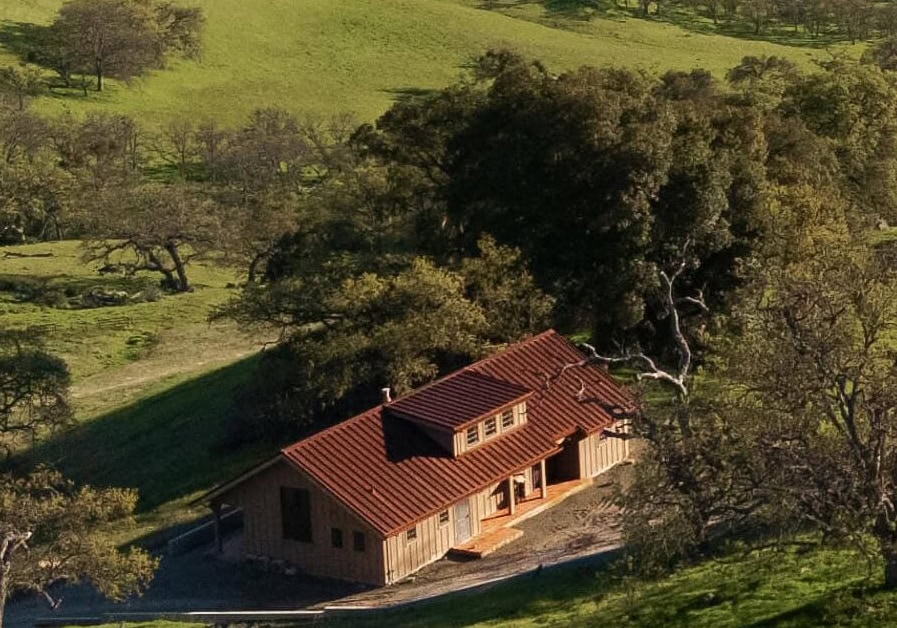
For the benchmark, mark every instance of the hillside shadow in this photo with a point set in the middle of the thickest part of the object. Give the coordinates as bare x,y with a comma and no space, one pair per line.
167,444
22,39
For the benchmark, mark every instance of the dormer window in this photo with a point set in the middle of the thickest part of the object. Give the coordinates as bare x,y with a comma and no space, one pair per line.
507,419
463,411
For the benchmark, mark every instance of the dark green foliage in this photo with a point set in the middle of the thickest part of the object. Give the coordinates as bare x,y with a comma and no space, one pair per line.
345,341
597,176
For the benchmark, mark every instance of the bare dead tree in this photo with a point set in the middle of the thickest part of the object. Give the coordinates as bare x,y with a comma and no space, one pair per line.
647,367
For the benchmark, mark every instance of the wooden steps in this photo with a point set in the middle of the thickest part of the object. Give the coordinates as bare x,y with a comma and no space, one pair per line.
487,543
497,531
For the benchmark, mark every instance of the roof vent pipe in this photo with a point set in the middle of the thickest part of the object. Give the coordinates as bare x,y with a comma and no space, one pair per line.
387,395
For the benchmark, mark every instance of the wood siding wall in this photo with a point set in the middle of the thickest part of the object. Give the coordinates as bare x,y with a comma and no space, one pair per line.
259,497
598,454
433,541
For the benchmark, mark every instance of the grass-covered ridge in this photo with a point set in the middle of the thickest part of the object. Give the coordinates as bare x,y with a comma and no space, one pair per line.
327,56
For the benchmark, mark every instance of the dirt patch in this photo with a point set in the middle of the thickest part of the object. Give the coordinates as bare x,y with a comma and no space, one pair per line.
583,524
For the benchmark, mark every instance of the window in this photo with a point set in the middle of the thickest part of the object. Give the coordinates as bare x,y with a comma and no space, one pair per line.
473,435
507,419
491,427
295,514
443,517
411,534
336,537
358,541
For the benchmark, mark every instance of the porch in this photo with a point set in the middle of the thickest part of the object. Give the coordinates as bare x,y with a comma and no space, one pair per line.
497,531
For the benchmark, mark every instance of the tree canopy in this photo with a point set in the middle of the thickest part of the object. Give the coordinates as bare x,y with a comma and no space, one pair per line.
52,532
119,39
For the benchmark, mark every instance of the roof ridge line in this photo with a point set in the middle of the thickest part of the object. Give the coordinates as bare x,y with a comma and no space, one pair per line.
380,407
469,368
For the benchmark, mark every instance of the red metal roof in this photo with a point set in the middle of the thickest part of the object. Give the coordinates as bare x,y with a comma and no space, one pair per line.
392,475
459,399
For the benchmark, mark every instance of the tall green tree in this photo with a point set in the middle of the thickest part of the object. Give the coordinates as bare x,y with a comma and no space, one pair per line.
120,39
596,175
814,374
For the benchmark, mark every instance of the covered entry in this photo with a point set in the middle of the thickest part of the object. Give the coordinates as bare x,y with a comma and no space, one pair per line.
564,465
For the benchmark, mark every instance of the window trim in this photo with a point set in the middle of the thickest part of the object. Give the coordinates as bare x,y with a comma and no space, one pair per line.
473,430
336,538
411,534
507,414
494,428
292,531
444,522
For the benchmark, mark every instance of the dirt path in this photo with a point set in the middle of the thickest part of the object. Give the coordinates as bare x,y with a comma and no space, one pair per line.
585,523
210,346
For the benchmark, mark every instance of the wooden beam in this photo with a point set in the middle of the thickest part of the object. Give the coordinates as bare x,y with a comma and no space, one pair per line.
543,480
511,491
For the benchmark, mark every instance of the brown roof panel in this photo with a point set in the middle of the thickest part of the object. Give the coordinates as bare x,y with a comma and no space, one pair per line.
459,399
392,475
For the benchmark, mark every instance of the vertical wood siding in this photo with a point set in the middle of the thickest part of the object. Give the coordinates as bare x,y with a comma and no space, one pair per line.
597,454
433,541
259,497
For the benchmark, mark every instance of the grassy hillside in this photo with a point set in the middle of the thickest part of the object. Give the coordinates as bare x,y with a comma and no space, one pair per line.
152,394
323,56
815,588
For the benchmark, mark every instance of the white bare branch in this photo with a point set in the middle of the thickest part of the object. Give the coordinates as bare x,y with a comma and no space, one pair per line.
647,367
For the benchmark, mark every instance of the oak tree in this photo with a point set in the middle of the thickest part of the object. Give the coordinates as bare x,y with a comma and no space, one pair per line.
53,533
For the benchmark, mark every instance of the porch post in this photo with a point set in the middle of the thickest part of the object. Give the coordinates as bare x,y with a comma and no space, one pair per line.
543,480
219,542
511,494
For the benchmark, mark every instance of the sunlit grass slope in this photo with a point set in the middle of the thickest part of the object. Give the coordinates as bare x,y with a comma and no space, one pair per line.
324,56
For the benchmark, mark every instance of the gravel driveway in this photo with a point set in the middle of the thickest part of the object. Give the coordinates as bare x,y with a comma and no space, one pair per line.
583,524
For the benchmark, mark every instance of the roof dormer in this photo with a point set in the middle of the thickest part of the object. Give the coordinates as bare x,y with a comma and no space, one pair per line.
466,410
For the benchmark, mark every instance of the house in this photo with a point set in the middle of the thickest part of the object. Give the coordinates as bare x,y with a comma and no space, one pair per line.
375,498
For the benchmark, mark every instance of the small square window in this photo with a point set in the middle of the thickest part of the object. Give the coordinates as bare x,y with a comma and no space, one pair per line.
491,427
336,537
443,517
473,435
507,419
411,534
358,541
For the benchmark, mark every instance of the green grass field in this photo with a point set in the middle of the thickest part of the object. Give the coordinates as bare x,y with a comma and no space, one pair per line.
327,56
795,589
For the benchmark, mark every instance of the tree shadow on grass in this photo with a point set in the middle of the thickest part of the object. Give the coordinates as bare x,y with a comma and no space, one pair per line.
22,39
688,18
578,10
167,444
409,94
